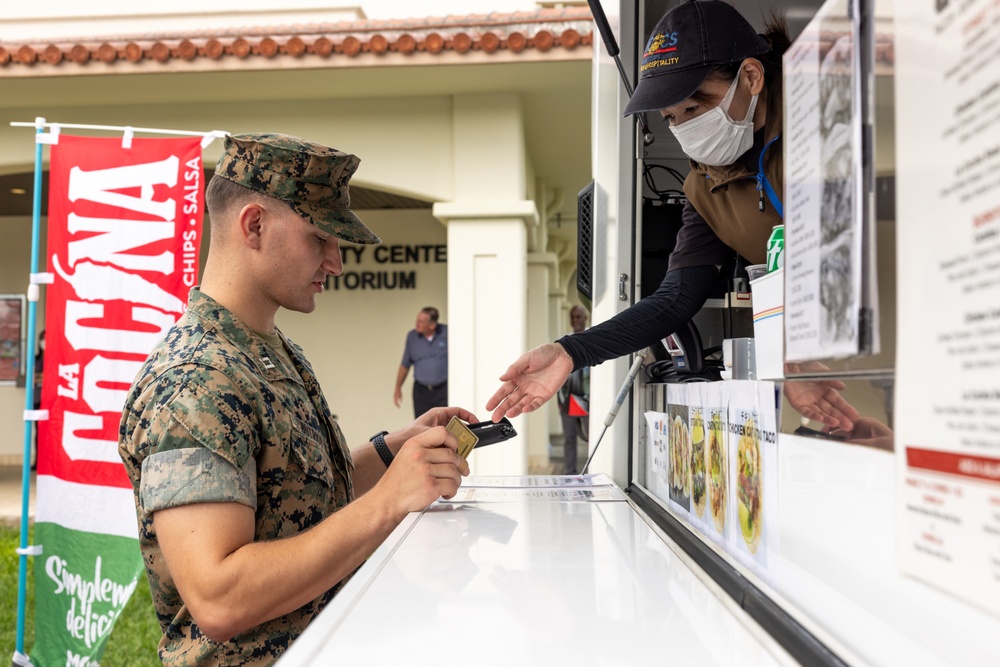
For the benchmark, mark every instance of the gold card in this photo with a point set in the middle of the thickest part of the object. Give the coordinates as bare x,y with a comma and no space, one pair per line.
466,438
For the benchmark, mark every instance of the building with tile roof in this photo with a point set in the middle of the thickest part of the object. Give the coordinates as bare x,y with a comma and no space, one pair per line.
474,136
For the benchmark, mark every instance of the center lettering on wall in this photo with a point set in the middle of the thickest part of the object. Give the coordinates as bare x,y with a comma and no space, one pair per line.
378,267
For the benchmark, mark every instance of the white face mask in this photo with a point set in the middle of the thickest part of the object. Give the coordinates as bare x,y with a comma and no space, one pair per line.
714,138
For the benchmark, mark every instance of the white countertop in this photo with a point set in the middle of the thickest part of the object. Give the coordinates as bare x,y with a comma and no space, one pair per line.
532,579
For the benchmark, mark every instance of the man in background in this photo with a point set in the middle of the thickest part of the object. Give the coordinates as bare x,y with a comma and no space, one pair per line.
574,397
37,394
427,351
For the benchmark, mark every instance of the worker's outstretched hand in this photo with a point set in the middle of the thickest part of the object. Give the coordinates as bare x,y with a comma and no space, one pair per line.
531,381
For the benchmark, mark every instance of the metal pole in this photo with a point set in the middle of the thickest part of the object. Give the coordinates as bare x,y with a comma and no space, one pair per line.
29,393
613,412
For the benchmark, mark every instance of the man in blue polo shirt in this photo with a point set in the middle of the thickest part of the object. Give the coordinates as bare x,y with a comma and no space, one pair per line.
427,351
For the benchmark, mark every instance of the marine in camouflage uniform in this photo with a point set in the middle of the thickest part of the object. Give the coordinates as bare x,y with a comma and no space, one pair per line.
218,415
222,415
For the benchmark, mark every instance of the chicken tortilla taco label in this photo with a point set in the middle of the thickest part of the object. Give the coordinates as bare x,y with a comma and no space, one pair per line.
698,490
717,472
749,489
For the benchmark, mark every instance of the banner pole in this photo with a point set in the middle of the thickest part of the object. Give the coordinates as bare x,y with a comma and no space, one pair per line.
47,526
207,137
29,396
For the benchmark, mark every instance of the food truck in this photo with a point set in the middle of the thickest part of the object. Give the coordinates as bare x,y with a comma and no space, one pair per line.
863,542
720,521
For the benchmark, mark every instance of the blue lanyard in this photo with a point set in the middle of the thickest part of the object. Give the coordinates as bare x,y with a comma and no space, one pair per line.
764,185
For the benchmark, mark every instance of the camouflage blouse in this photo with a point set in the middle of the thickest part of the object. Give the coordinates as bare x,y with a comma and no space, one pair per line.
217,415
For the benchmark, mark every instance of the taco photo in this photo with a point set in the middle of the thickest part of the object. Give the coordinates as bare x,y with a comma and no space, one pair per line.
680,462
717,472
749,487
698,491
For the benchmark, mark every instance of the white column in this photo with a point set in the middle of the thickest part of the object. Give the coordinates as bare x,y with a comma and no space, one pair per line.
487,260
487,305
541,269
558,326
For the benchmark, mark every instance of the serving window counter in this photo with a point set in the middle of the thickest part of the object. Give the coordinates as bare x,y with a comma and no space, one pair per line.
533,571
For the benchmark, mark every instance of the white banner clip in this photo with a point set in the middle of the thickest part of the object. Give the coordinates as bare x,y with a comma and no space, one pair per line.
127,137
209,137
32,550
21,660
50,137
36,415
43,278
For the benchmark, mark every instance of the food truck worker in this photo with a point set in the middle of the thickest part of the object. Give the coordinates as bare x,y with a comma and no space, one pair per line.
717,83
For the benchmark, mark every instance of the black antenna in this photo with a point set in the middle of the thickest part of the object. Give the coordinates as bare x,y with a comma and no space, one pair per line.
612,46
613,412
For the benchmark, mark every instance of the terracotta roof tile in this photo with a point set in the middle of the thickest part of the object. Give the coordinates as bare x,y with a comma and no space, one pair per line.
542,30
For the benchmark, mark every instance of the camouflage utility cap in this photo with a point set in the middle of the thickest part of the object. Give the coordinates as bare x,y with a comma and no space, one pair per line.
311,177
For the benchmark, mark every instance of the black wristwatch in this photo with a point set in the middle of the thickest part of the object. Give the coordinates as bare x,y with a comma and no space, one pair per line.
383,449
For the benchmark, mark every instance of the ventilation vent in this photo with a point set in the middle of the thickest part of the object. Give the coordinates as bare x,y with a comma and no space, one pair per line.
585,242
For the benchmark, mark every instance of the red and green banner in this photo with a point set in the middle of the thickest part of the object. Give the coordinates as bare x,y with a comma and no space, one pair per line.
124,232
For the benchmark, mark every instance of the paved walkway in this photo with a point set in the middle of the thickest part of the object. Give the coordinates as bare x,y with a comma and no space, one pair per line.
11,496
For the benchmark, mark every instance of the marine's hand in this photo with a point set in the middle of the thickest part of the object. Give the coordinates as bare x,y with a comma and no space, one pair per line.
441,417
531,381
433,418
425,468
430,419
397,397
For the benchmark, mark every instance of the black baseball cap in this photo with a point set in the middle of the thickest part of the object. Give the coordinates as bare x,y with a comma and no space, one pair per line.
690,41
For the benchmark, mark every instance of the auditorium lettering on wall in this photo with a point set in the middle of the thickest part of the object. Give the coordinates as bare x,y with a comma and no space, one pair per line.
370,271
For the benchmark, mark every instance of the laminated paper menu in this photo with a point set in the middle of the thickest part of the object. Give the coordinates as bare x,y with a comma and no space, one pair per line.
948,366
823,202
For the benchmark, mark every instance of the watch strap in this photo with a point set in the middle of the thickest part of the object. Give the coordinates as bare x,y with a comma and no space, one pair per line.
383,449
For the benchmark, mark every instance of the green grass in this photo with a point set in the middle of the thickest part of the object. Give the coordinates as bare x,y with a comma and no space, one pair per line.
10,539
132,642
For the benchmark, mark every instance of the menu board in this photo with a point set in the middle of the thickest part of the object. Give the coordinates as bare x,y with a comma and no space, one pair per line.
823,187
714,462
948,365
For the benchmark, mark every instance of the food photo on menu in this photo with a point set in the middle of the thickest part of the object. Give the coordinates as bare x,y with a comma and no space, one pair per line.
753,473
698,488
680,457
717,487
749,486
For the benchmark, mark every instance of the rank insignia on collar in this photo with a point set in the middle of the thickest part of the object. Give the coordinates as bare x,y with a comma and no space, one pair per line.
267,363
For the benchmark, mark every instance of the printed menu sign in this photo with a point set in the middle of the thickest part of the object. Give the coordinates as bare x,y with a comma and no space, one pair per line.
823,205
714,460
948,366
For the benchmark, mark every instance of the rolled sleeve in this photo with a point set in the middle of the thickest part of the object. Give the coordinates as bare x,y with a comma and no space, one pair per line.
194,475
